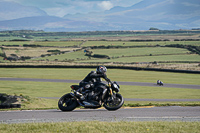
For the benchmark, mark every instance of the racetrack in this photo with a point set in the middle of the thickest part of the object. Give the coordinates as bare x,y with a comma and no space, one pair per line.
172,113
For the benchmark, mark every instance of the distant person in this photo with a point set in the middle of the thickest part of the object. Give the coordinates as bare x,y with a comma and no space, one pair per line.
158,82
161,83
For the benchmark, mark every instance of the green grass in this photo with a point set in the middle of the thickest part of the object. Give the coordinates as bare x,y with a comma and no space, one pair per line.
157,54
98,43
1,59
139,51
1,52
129,43
33,52
189,57
20,43
160,103
67,56
59,43
193,43
119,43
49,89
144,92
43,43
56,89
105,127
113,53
35,89
113,74
146,54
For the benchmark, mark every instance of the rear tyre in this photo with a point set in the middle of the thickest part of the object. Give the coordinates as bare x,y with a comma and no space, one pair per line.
114,104
67,103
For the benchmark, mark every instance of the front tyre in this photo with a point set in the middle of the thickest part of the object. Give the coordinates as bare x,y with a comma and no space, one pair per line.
67,103
115,103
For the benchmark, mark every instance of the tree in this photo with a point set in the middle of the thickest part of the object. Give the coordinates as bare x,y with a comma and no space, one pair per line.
152,28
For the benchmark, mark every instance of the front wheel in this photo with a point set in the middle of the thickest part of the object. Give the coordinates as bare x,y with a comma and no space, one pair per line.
114,103
67,103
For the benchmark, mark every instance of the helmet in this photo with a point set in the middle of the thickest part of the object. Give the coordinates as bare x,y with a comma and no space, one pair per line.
101,69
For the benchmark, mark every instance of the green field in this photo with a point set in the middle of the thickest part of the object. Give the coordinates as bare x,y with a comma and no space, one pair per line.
139,51
48,89
131,43
67,56
98,43
52,89
105,127
163,58
124,54
117,52
33,52
121,47
43,43
117,55
167,51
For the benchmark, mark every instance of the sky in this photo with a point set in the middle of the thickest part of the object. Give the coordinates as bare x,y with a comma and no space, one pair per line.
62,7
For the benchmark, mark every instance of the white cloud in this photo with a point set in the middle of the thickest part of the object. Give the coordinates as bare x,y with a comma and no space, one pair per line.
63,7
190,4
60,12
105,5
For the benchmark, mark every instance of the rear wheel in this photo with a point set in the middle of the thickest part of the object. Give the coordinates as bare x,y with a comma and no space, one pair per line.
67,103
114,103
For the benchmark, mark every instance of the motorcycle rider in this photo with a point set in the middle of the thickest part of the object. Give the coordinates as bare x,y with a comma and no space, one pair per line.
93,78
158,82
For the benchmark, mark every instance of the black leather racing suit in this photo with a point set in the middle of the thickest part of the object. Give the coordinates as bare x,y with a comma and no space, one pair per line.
92,78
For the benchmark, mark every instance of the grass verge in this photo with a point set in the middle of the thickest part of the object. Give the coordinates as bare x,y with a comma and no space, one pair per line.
158,104
105,127
42,104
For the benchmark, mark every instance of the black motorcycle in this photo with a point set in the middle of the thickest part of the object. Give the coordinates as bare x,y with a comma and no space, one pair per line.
109,98
160,83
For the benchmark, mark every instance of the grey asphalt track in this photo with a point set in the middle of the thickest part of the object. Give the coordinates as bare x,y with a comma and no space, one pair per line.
172,113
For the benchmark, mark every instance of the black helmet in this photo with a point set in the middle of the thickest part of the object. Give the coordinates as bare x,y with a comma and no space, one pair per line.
101,69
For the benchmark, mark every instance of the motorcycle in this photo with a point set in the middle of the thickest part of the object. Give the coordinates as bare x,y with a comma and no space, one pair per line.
109,98
160,84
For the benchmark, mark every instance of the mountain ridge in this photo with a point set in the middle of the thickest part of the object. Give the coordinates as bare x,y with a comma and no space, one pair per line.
165,15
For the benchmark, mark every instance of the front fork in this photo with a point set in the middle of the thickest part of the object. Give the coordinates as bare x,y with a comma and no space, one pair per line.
105,91
111,92
111,95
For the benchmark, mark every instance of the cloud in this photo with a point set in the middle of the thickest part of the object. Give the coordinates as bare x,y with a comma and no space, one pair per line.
63,7
105,5
190,4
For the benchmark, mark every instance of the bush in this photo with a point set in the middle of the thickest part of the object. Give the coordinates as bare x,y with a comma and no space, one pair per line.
100,56
54,51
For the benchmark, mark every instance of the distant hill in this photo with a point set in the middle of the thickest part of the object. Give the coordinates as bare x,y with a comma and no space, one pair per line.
12,10
161,14
32,23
